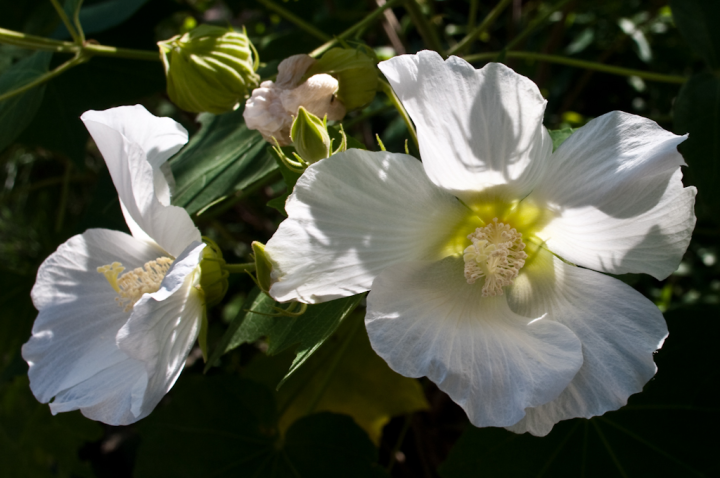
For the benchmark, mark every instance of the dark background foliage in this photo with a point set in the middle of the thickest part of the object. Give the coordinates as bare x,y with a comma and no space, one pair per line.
231,421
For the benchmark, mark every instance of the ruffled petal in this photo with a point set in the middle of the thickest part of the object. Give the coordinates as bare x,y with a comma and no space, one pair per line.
424,319
478,129
72,353
135,144
352,215
618,327
615,186
163,328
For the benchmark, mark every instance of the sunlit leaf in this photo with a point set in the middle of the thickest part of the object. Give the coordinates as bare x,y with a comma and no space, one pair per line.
659,433
224,157
360,385
227,427
559,136
35,443
17,112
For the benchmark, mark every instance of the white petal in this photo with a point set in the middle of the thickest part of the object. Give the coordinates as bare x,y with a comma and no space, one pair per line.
163,328
72,353
292,69
477,128
317,95
618,327
352,215
425,319
616,187
135,144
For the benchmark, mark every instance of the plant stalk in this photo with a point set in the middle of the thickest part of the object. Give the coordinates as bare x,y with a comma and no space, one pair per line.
484,25
387,89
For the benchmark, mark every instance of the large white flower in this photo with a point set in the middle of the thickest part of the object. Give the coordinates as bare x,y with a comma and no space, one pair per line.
119,313
470,254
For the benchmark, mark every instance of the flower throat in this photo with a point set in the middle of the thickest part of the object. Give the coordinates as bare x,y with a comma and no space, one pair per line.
496,254
133,284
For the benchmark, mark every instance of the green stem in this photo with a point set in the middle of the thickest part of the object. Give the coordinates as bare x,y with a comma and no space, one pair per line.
76,60
336,359
426,30
534,24
589,65
239,268
365,22
63,16
33,42
76,21
387,89
474,34
291,17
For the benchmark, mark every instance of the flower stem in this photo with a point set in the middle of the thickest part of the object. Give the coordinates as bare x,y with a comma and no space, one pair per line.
76,60
63,16
355,28
426,30
239,268
387,89
399,442
590,65
292,18
76,21
534,24
476,32
33,42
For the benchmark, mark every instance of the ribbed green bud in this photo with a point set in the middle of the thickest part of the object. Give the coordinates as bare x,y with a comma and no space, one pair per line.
310,136
263,267
213,276
209,69
356,74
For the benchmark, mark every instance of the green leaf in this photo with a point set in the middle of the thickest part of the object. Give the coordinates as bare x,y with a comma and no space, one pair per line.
100,16
308,331
697,111
34,443
697,22
17,112
227,427
659,433
222,158
255,301
559,136
97,85
361,385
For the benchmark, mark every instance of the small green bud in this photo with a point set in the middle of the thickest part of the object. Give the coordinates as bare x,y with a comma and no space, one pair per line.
263,267
209,69
356,74
213,276
310,136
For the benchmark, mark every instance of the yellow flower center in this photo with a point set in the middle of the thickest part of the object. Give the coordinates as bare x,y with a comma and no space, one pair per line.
496,254
133,284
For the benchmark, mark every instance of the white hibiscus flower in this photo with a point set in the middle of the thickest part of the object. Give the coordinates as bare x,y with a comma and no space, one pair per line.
119,313
470,254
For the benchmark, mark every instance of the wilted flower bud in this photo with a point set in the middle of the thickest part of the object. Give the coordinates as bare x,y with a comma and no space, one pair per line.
310,137
209,69
271,108
355,72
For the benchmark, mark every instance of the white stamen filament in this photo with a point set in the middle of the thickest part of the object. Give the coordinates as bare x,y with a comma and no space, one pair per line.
133,284
496,254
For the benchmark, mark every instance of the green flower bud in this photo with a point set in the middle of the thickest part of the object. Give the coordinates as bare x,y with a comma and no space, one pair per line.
356,74
263,267
209,69
213,276
310,136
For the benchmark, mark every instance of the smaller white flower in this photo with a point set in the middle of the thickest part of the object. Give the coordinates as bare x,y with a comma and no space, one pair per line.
272,106
118,314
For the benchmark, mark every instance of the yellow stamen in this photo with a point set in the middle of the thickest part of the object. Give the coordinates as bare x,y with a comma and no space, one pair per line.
133,284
